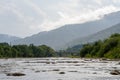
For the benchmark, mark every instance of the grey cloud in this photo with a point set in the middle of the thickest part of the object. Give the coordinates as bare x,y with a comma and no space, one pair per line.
26,17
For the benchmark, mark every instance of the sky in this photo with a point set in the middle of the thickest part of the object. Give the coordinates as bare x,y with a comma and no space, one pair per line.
27,17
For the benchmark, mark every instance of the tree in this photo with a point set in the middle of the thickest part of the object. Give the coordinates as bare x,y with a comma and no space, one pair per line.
86,50
108,48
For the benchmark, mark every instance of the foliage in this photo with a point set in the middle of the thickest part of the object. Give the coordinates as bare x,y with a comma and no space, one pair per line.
109,48
25,51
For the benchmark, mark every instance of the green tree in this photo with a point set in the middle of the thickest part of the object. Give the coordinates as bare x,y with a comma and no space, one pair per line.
86,50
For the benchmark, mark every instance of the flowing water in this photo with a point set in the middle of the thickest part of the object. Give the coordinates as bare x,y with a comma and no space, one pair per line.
58,69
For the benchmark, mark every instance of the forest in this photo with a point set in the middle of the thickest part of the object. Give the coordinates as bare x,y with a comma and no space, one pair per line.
8,51
108,48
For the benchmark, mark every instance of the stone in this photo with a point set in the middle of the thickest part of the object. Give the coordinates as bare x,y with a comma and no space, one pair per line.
115,72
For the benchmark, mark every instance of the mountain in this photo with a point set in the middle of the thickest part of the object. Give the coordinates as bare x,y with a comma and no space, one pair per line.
59,37
7,38
101,35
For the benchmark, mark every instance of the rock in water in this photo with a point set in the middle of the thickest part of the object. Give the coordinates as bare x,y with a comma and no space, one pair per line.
115,72
15,74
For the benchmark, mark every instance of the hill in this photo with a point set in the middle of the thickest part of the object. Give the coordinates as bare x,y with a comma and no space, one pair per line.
59,37
7,38
109,48
97,36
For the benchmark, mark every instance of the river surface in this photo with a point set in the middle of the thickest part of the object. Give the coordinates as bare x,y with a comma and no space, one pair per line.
58,69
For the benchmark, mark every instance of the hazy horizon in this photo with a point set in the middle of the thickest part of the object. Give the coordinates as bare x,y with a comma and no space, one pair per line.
23,18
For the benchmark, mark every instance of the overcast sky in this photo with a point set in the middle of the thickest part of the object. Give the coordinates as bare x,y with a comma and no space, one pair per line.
26,17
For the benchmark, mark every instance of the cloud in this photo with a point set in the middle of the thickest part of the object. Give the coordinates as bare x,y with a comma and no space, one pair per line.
36,8
77,16
12,7
33,16
63,15
14,14
18,13
98,2
116,1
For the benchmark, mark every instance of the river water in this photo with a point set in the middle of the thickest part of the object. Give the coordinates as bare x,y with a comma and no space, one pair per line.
58,69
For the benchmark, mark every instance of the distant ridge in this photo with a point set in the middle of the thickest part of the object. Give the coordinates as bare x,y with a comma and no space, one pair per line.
7,38
97,36
59,37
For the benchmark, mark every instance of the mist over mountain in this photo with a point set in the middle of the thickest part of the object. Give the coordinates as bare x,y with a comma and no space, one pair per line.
7,38
24,18
59,37
97,36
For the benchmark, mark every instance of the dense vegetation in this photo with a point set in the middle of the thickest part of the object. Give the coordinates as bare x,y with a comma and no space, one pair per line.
25,51
70,52
109,48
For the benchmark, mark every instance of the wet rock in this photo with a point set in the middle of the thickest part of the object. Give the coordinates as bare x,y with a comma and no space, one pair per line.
44,71
72,71
61,72
53,62
15,74
77,65
33,69
94,72
47,62
115,72
75,62
37,71
118,63
56,70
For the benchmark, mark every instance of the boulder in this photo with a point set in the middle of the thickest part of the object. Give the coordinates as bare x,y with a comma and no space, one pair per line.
115,72
15,74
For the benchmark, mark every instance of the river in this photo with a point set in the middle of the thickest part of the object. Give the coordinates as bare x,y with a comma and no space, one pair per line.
58,69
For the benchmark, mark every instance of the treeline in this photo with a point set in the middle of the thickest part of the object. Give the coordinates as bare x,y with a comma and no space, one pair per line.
70,52
25,51
109,48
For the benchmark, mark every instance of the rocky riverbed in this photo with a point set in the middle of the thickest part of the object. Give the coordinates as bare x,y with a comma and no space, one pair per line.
59,69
